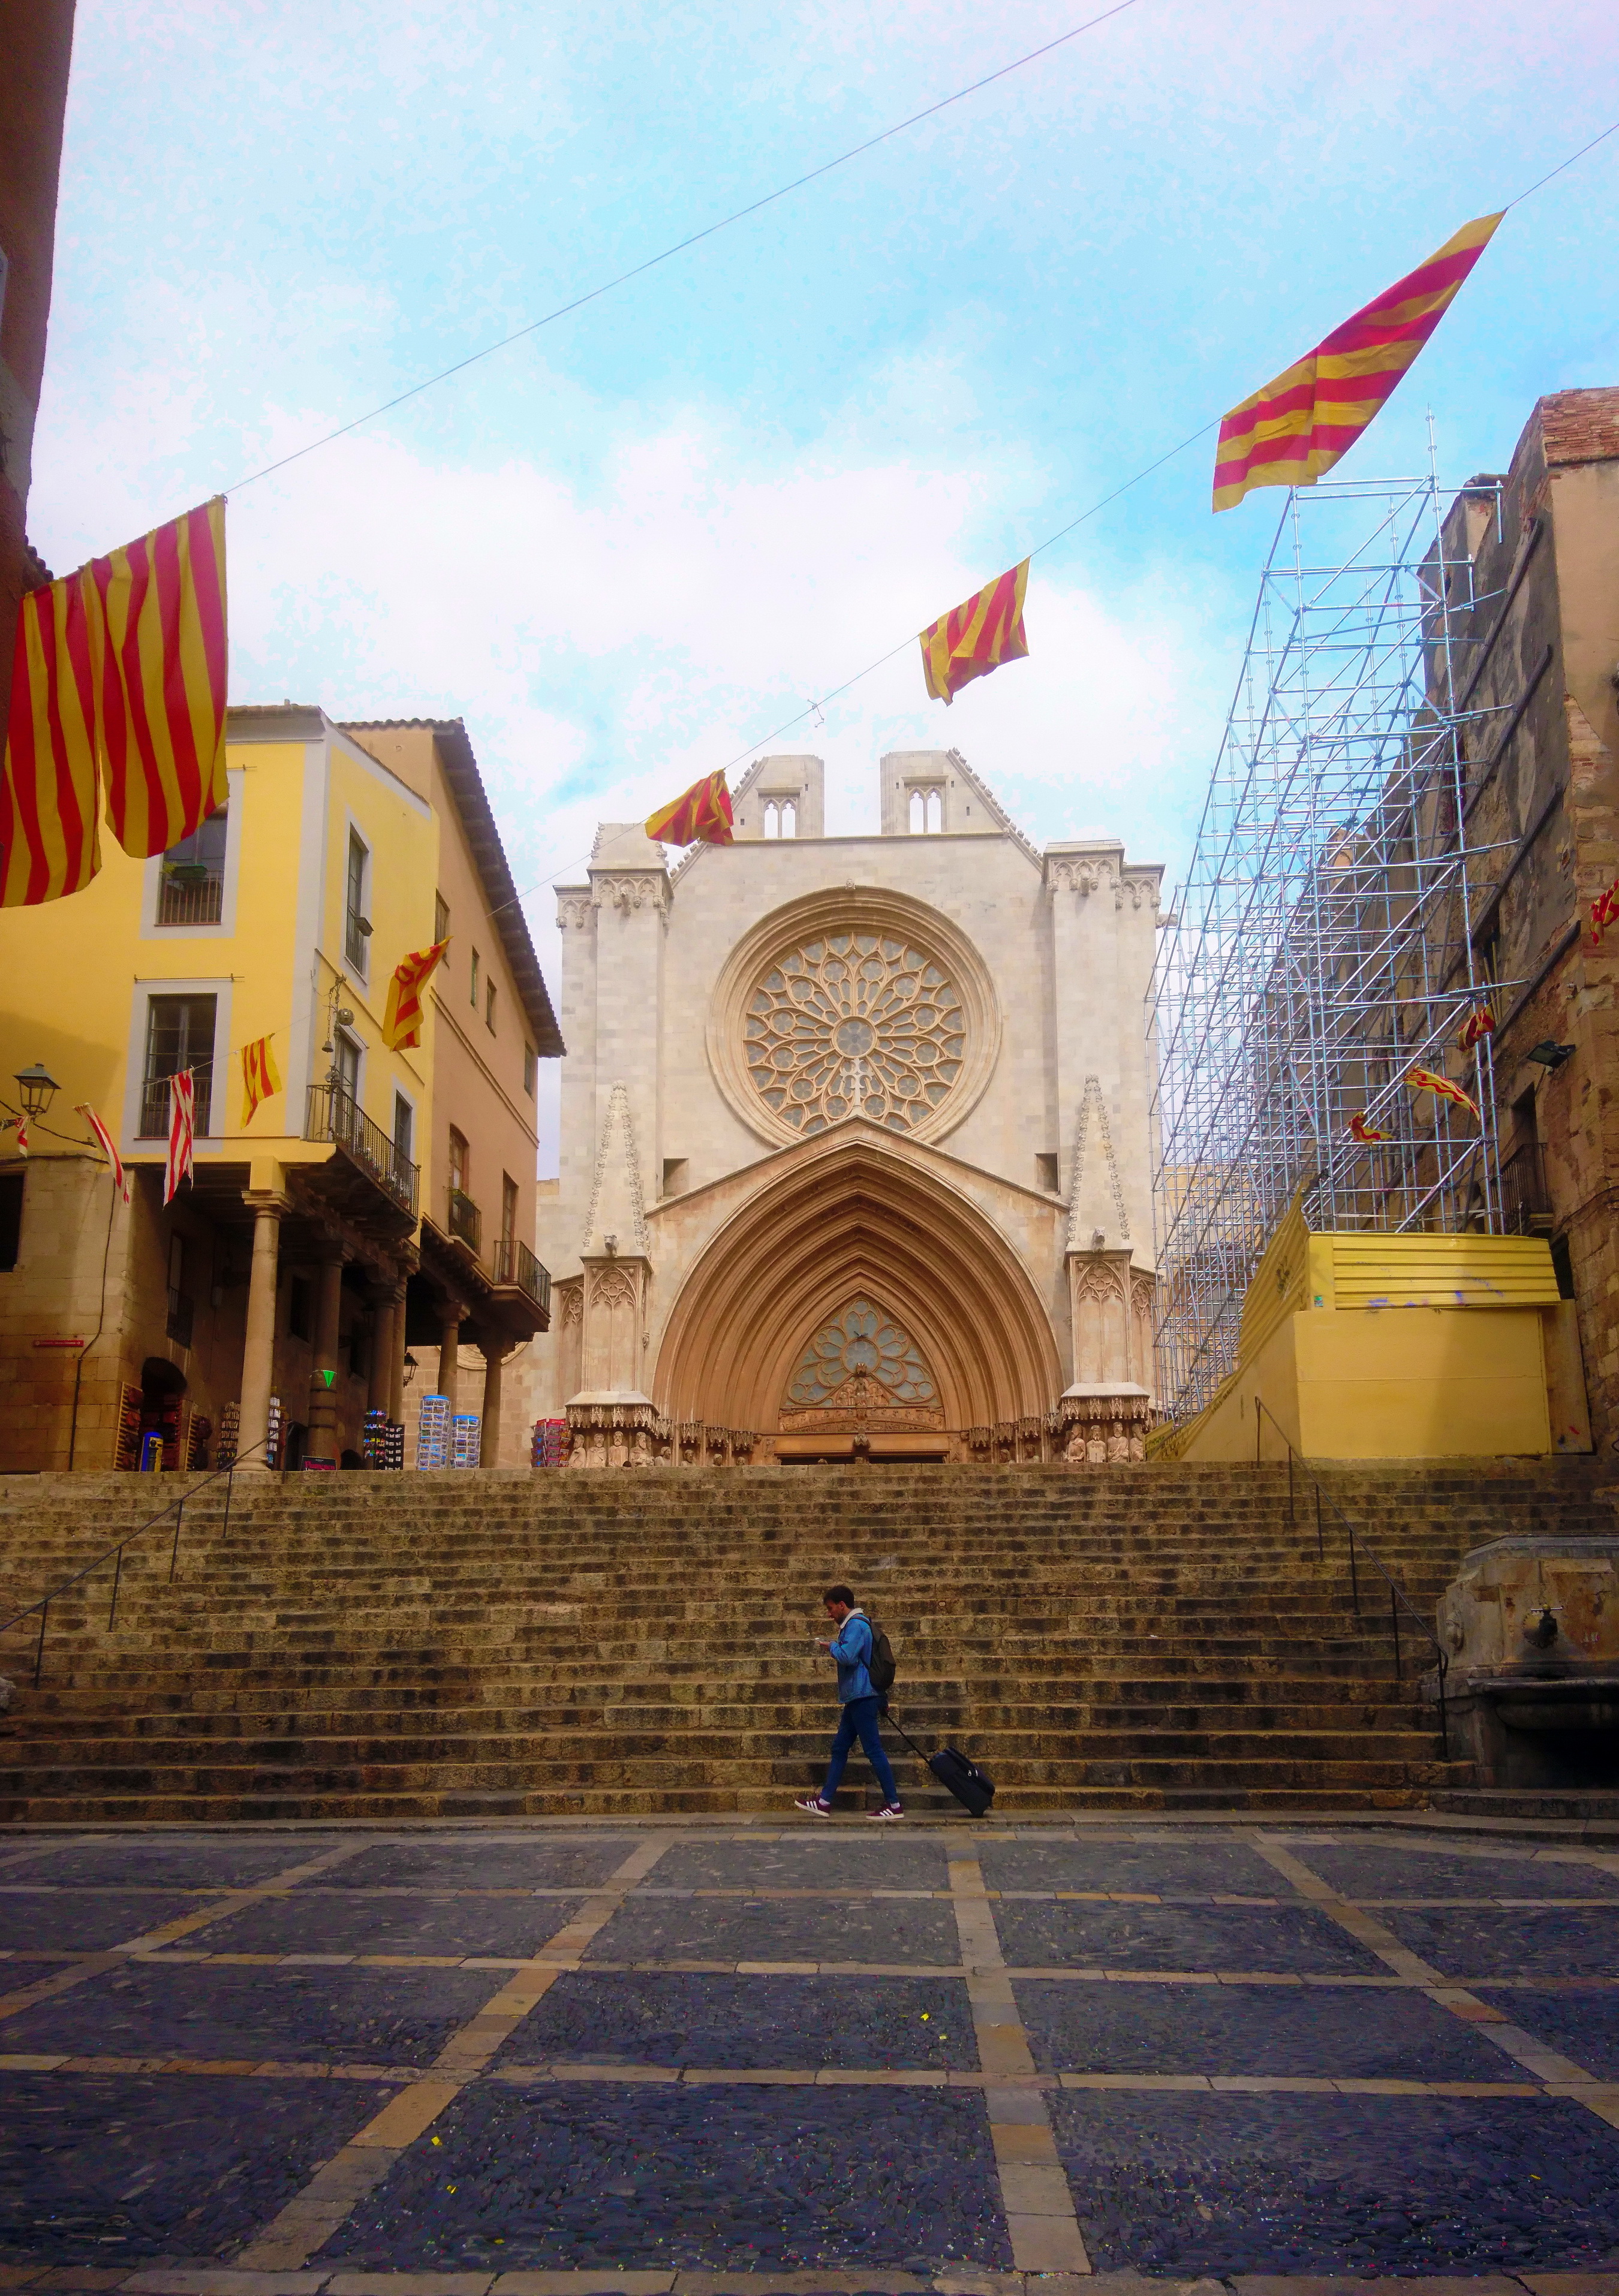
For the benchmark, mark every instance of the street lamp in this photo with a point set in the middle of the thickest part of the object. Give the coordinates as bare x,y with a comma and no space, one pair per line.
410,1366
38,1088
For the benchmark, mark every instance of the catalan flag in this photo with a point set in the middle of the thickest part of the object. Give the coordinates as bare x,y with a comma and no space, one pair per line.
1292,431
260,1077
182,1132
976,637
1479,1024
159,640
1429,1080
402,1020
50,844
1360,1129
1604,911
701,816
121,1179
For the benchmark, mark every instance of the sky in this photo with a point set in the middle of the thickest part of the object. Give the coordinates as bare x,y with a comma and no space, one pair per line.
630,548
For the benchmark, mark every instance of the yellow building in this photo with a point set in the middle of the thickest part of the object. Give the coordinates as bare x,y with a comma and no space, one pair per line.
378,1196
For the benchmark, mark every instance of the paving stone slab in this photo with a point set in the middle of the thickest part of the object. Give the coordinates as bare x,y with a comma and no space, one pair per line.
192,1862
649,2177
469,1862
1374,2186
94,2167
640,2017
1191,1869
1266,2030
331,1923
1582,2025
53,1921
738,1929
1292,1938
346,2016
885,1858
1511,1941
1413,1869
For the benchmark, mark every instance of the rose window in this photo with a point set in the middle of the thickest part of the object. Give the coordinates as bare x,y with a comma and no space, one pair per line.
861,1343
855,1024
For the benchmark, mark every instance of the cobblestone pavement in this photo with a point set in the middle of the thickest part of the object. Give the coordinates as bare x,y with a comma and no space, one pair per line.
535,2060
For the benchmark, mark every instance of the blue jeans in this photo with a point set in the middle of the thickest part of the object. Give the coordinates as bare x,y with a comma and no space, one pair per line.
859,1720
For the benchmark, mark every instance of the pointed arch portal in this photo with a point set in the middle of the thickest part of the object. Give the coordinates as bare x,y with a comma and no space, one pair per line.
857,1220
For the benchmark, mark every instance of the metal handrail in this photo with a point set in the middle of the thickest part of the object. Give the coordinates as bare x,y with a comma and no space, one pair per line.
1399,1599
115,1554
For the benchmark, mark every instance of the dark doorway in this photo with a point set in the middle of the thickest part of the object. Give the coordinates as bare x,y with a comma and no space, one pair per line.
162,1391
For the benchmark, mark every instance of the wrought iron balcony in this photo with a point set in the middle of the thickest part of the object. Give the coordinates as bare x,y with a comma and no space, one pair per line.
1525,1199
334,1116
465,1219
514,1263
189,894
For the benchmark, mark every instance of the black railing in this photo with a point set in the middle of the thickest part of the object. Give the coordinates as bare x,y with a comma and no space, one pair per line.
465,1219
1359,1553
155,1105
514,1263
191,896
115,1556
335,1115
1525,1199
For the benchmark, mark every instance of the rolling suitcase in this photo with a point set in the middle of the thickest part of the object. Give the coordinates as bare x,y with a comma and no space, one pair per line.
972,1788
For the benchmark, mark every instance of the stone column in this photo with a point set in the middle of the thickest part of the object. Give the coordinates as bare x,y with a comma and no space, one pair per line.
323,1442
259,1353
383,1312
450,1349
396,1359
495,1354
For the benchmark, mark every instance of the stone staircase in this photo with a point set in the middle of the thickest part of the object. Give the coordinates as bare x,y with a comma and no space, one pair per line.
472,1645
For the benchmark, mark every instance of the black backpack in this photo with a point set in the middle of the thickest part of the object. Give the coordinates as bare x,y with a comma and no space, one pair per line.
880,1666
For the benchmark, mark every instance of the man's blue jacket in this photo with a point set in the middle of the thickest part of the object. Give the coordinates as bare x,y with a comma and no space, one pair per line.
852,1650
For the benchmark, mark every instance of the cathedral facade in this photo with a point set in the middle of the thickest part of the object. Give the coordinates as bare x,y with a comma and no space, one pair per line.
855,1153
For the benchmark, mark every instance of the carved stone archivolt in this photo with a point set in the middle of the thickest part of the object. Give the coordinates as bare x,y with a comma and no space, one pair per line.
855,1001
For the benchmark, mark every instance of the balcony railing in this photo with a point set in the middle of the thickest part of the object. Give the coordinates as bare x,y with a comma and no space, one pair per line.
191,896
154,1106
334,1116
465,1219
1525,1199
514,1263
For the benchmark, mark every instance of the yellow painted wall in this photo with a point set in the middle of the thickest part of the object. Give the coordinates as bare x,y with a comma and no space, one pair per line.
1457,1368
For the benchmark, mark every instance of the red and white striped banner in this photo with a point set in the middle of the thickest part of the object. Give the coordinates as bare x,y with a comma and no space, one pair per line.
182,1132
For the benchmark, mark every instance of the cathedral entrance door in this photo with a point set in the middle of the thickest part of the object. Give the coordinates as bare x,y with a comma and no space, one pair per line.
861,1388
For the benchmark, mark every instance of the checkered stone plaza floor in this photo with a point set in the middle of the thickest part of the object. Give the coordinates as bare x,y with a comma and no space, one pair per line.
696,2057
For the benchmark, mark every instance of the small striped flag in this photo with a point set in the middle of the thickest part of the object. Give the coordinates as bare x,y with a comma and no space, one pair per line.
1604,911
1430,1080
402,1020
976,637
1479,1024
20,1125
700,816
121,1179
182,1132
50,842
260,1077
1291,432
1360,1129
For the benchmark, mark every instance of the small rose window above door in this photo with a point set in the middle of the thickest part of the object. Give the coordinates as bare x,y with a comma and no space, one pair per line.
862,1342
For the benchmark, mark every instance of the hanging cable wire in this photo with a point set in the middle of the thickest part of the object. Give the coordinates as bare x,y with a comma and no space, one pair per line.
693,239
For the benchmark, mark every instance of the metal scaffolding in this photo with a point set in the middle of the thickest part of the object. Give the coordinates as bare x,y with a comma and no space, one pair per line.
1324,944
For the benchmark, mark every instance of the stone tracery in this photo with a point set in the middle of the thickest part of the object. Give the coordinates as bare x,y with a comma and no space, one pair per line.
860,1343
854,1023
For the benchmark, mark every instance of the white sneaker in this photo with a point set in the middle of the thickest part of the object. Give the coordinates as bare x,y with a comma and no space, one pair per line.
890,1810
816,1807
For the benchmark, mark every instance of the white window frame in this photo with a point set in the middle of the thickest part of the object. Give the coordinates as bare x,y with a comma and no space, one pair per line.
152,879
220,1110
359,967
413,1106
353,1038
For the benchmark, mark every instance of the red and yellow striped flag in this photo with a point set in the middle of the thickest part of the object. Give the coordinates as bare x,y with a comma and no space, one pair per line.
1361,1129
160,661
1479,1024
1291,432
402,1020
50,842
976,637
701,815
260,1077
1429,1080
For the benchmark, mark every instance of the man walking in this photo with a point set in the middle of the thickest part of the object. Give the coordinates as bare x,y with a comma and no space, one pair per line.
852,1647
